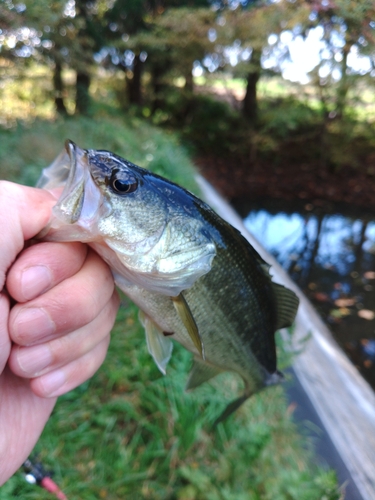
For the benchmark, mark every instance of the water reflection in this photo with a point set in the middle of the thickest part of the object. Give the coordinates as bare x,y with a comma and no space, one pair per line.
332,258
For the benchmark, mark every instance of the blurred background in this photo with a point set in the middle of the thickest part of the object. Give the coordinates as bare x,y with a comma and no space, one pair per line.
273,102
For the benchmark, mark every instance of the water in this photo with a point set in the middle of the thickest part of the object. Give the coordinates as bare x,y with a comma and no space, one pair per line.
331,256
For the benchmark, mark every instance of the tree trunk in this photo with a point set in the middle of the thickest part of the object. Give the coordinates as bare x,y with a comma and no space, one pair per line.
323,141
343,86
58,86
82,94
250,103
157,72
189,82
133,85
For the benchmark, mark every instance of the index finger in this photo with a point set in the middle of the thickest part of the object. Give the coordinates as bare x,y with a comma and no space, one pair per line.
24,211
42,266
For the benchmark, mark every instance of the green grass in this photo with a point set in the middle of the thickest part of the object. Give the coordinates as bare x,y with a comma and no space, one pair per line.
130,432
28,148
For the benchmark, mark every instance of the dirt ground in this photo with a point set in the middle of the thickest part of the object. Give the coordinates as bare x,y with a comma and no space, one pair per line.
316,186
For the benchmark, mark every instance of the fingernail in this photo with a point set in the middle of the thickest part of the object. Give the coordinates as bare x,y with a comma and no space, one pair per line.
35,280
53,381
33,360
33,323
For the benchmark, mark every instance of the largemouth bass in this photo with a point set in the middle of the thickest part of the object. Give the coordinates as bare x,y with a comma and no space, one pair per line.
194,277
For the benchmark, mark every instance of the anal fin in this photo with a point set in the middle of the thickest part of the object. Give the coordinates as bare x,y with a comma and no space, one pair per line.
159,346
201,372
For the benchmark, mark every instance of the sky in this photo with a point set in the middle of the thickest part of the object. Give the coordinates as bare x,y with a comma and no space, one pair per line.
304,55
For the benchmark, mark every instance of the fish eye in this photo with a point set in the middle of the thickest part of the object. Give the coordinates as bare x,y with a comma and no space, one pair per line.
123,183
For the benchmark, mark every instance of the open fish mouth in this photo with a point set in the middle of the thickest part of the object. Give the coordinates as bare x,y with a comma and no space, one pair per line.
81,201
57,173
70,205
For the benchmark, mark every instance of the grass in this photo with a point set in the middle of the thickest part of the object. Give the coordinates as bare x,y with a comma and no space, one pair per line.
28,148
131,433
361,102
24,93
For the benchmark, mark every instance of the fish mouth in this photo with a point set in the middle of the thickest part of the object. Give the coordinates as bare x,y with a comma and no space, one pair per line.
81,202
70,204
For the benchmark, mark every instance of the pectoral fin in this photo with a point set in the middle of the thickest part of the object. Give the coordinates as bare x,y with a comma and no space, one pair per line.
200,373
186,316
159,346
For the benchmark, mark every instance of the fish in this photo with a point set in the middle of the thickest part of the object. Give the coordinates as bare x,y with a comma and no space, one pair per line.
194,277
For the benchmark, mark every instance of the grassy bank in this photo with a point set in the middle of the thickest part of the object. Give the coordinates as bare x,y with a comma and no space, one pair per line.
28,148
131,433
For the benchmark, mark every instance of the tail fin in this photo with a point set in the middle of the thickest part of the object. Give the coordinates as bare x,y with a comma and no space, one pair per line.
274,379
232,407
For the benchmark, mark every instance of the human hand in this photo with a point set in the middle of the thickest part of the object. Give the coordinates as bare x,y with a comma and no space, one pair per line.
66,306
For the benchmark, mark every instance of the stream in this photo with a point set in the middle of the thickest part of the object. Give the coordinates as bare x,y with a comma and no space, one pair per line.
330,254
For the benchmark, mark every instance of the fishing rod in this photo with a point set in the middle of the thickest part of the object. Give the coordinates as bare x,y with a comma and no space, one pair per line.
35,473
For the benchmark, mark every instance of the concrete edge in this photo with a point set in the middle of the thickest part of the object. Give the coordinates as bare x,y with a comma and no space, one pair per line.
343,400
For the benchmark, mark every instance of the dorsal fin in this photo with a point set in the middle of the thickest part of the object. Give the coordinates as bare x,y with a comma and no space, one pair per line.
286,305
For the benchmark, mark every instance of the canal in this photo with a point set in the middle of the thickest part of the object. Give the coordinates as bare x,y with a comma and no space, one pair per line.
330,254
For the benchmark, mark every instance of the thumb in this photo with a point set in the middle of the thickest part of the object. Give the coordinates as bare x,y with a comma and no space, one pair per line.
24,211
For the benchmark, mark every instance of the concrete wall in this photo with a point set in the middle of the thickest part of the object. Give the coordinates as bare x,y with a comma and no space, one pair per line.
343,400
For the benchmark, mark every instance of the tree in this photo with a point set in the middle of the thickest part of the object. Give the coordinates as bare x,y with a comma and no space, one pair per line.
249,27
348,30
138,32
24,27
60,33
184,33
88,40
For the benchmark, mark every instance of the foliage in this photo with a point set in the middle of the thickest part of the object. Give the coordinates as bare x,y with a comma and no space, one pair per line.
184,33
157,41
348,32
283,118
209,125
289,131
55,34
155,36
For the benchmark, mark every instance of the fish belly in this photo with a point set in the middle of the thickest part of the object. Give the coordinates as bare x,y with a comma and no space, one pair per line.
223,348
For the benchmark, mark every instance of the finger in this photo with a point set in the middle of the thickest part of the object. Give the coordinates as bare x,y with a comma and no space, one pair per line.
4,335
34,361
24,212
42,266
70,305
72,375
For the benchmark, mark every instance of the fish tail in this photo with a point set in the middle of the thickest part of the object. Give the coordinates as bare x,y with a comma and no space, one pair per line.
274,379
232,407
